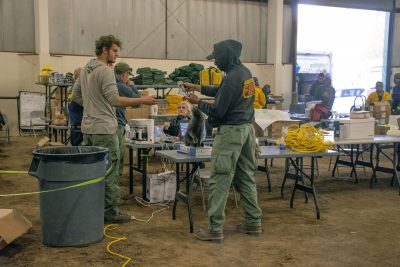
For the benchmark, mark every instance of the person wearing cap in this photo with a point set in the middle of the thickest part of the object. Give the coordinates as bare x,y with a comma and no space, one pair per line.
75,112
260,99
315,86
126,89
396,94
96,90
234,150
378,96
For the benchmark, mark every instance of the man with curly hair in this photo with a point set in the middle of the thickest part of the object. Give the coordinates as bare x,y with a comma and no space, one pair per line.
96,90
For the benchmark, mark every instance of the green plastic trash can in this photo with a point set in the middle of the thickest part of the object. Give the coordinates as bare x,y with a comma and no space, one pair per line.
73,216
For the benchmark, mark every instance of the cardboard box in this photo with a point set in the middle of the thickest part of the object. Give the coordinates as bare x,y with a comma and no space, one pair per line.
275,129
381,111
43,142
274,106
381,129
144,92
161,187
393,120
142,112
56,144
12,225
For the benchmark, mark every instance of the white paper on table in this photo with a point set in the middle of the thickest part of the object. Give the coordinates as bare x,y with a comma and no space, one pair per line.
265,117
393,132
393,120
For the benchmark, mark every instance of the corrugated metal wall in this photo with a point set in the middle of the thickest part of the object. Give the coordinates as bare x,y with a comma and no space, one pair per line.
75,25
17,26
287,34
191,30
194,26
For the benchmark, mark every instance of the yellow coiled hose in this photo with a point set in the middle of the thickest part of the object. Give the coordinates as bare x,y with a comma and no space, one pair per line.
306,139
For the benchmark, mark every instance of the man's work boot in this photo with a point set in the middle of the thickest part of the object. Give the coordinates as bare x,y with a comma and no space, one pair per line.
250,230
117,218
205,235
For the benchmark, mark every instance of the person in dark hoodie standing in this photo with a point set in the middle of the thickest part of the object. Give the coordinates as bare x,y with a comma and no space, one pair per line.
97,92
234,151
125,88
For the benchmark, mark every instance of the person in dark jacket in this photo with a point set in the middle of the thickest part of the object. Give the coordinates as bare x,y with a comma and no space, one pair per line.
184,112
326,93
396,94
75,112
314,87
125,88
234,150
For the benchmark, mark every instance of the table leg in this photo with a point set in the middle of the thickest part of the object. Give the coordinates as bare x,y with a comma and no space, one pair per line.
371,159
336,162
55,134
177,190
314,193
188,203
294,188
302,187
130,170
353,163
145,160
302,176
395,163
285,176
267,173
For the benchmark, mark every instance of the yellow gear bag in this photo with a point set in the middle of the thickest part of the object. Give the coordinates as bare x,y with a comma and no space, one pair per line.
210,76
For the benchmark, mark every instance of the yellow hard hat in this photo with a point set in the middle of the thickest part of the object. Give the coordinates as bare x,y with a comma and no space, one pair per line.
47,67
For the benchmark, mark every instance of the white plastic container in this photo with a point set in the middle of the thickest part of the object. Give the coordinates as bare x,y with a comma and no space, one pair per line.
353,129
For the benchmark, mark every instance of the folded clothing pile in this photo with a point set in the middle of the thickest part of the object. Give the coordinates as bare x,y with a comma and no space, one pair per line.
150,76
187,73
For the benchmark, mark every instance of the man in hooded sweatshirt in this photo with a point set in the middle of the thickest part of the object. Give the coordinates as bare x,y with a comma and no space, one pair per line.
97,92
234,151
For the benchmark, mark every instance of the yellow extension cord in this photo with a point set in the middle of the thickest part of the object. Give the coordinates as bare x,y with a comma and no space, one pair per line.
116,240
306,139
115,226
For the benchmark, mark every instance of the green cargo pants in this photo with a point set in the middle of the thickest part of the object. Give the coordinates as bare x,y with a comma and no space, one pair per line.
121,141
233,160
112,190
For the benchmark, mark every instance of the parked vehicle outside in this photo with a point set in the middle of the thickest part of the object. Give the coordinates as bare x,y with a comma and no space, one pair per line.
344,99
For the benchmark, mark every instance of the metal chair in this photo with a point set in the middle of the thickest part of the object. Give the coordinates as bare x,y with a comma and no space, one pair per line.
205,175
4,130
37,121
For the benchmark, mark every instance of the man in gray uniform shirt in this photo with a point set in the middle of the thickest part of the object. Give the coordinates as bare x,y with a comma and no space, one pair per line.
97,92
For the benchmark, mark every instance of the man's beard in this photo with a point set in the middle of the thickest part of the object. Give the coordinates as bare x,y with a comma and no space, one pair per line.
110,60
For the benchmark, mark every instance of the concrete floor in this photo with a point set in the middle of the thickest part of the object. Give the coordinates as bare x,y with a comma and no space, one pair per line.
359,226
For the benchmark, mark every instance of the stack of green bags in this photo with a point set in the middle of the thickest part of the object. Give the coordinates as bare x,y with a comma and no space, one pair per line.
188,73
149,76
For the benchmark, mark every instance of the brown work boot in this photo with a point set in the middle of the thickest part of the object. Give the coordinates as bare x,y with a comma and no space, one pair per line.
250,230
205,235
117,218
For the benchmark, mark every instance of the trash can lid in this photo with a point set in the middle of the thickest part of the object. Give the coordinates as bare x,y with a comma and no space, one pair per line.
82,154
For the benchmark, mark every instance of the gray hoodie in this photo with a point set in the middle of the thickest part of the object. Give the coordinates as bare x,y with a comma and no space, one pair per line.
96,90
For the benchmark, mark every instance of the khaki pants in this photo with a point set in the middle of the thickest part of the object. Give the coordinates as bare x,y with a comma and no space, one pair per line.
112,190
121,140
233,160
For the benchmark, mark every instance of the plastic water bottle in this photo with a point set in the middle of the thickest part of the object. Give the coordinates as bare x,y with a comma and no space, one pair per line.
282,144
